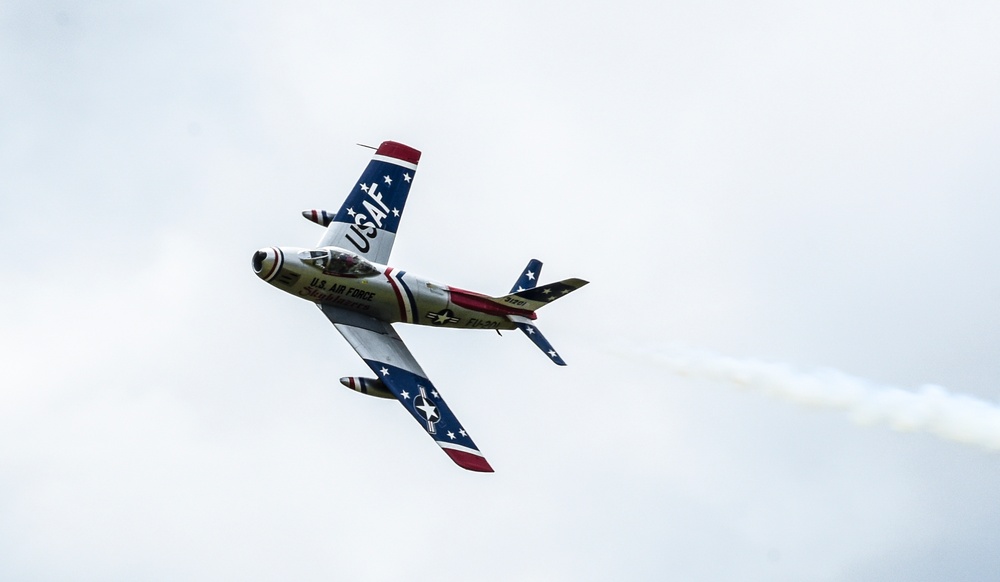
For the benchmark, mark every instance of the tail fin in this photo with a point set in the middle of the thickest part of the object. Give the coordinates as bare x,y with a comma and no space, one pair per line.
526,295
528,278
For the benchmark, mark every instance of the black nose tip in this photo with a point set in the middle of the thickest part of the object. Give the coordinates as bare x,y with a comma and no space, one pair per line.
258,261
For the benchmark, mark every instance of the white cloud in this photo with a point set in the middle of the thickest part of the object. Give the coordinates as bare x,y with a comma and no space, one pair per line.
811,184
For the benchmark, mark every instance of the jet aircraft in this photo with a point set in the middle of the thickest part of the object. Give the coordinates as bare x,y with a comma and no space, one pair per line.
346,276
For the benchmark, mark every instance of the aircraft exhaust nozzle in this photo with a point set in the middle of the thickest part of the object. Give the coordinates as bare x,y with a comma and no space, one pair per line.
370,386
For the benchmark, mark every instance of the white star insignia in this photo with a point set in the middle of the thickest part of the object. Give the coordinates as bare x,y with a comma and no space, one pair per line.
530,275
388,180
364,187
461,431
429,409
553,353
351,212
451,435
565,291
405,395
519,289
407,177
385,371
546,291
395,212
531,330
434,393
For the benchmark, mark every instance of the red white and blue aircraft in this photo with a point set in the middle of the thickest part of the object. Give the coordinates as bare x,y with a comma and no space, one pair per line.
347,277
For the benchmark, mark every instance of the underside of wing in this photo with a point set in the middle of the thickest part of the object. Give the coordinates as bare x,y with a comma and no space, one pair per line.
368,220
383,350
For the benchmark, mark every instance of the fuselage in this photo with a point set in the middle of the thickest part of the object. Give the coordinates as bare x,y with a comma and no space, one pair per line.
340,278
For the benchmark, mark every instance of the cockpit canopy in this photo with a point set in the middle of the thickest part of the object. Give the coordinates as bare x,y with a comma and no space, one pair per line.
338,262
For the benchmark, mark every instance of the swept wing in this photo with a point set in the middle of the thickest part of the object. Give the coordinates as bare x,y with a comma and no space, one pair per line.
381,348
368,220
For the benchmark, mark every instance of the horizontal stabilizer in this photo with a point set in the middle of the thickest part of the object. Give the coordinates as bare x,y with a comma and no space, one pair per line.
536,337
532,299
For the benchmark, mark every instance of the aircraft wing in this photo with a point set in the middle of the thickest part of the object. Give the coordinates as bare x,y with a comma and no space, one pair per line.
368,220
381,348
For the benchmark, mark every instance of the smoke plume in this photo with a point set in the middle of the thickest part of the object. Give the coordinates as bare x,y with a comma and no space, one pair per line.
931,409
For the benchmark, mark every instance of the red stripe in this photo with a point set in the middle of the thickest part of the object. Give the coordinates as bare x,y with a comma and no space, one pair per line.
277,264
399,151
484,304
399,296
468,461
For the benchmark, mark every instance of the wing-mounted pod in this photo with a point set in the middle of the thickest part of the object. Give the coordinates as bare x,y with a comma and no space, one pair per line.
320,217
369,386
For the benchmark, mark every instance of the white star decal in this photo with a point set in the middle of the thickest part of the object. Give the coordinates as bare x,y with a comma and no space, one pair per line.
531,330
451,435
388,180
429,410
385,371
552,353
546,291
405,395
519,289
351,212
565,291
364,187
530,275
395,212
434,393
461,431
407,177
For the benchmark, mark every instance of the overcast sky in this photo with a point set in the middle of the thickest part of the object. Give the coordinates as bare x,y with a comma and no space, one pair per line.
814,185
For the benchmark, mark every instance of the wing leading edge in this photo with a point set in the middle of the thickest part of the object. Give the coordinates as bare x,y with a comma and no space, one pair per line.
383,350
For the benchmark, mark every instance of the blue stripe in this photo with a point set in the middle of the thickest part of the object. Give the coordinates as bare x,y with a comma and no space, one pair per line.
409,295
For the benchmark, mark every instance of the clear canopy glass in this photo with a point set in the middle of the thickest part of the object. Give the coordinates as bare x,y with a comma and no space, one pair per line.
338,262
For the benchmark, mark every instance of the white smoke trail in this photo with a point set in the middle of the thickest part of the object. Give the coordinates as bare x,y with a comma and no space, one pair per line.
931,409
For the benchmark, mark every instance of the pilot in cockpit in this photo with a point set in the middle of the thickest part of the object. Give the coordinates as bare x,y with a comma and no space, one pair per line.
339,263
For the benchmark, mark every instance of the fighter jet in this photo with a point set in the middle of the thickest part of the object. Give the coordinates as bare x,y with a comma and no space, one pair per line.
346,276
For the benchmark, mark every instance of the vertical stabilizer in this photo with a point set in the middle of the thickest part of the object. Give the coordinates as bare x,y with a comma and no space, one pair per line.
529,277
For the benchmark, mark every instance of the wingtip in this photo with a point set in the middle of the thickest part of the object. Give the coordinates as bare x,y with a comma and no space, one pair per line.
469,461
399,151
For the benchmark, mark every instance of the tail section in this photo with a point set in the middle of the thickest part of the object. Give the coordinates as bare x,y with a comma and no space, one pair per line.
526,295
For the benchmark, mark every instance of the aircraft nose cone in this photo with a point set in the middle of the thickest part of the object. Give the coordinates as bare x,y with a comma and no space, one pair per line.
266,263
